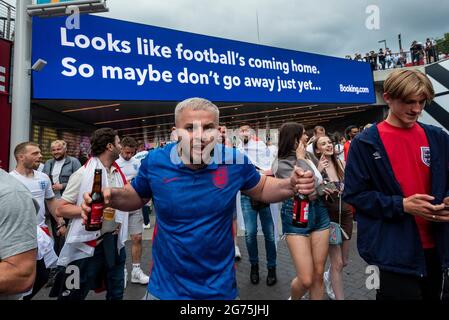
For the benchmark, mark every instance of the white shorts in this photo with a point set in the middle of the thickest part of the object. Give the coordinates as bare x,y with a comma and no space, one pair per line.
135,222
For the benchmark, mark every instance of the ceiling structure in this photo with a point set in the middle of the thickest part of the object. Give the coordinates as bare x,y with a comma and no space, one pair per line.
149,120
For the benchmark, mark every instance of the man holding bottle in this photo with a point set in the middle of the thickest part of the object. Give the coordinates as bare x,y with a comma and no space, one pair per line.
193,184
98,255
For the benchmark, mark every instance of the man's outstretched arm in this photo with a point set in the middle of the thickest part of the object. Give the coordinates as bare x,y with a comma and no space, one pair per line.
270,190
124,199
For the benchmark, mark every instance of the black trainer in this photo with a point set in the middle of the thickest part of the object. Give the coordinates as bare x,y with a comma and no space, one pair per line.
254,276
271,277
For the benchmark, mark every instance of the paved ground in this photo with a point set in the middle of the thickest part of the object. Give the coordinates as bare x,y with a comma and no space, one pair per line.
354,274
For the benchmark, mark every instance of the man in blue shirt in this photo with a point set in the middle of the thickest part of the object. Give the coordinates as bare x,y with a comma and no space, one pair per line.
193,185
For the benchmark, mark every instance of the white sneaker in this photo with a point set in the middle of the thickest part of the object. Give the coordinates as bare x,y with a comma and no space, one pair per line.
328,285
147,226
238,255
126,277
137,276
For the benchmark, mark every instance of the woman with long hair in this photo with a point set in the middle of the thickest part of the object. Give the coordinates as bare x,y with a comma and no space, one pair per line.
308,245
332,170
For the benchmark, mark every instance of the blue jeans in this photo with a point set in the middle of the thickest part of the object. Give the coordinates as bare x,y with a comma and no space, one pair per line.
250,218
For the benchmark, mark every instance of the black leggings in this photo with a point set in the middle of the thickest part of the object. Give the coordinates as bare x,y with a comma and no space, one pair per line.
396,286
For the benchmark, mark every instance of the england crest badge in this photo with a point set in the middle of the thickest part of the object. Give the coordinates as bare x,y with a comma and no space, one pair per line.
425,155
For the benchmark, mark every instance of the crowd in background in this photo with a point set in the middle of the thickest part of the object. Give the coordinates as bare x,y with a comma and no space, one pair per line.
419,54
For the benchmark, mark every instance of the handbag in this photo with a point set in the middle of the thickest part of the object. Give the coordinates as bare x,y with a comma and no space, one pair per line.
335,234
335,229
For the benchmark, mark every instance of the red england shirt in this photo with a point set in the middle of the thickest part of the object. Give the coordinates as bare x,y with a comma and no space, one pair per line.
409,154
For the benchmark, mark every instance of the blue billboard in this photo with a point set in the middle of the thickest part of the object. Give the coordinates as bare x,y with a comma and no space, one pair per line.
108,59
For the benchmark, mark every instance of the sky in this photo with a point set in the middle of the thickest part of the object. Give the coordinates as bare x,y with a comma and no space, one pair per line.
330,27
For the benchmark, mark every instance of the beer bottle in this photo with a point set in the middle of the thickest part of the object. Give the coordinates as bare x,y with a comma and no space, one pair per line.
301,202
95,216
300,211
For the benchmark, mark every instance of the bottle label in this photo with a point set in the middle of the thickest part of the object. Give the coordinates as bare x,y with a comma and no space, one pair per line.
304,214
96,215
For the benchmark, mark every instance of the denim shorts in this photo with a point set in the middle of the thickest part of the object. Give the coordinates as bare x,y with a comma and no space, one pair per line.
318,218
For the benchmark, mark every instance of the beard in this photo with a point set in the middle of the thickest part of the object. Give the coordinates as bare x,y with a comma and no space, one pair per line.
115,155
34,166
59,158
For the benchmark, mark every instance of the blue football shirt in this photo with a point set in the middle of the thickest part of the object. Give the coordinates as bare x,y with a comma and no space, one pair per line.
193,245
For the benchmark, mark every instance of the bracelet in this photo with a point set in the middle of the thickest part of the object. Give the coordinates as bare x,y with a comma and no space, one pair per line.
60,226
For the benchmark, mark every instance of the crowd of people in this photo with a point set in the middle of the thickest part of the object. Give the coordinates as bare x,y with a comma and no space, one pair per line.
391,177
384,59
418,54
54,186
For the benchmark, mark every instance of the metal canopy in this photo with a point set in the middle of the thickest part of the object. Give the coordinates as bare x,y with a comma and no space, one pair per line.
59,9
